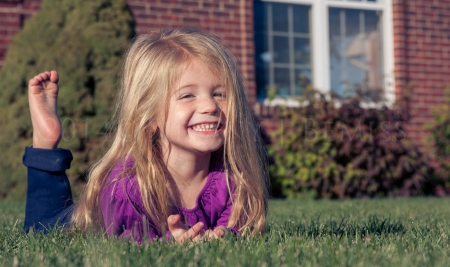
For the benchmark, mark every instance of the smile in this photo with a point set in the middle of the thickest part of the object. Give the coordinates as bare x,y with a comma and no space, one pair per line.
206,127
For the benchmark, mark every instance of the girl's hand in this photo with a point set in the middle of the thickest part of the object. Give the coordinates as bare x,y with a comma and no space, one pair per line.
179,232
217,233
42,98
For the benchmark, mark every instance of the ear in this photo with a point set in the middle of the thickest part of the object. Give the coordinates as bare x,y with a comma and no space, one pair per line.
153,127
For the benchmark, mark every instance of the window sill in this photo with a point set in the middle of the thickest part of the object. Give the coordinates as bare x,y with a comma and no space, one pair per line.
268,107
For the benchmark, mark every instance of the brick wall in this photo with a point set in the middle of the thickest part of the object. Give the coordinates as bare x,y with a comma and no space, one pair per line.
421,41
231,20
422,58
12,15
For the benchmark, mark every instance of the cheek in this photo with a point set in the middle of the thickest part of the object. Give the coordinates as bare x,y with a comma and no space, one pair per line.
223,106
176,119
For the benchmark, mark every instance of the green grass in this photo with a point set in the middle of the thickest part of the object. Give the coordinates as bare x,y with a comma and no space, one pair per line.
389,232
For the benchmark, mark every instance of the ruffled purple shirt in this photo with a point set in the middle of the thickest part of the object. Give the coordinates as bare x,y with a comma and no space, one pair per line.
124,214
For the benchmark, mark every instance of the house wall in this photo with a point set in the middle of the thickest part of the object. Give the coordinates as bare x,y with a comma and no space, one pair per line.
421,42
13,13
422,58
231,20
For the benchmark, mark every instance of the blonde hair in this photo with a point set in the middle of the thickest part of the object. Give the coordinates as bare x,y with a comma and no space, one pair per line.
152,66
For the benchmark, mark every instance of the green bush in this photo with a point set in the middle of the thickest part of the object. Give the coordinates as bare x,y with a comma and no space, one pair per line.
337,149
440,136
84,41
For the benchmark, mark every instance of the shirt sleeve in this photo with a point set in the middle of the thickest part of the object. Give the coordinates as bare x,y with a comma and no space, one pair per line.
123,213
49,197
225,215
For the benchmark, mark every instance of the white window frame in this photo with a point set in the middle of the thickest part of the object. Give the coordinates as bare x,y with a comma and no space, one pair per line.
320,58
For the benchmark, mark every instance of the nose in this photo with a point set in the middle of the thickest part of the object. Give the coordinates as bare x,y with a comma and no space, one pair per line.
208,106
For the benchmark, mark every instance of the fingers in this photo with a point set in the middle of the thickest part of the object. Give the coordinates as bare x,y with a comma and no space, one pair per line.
195,230
174,222
217,233
180,232
220,231
210,235
194,233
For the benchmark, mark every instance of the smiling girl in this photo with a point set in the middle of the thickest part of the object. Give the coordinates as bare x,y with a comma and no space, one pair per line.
186,159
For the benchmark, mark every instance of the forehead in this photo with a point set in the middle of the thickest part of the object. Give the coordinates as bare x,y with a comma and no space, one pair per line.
196,72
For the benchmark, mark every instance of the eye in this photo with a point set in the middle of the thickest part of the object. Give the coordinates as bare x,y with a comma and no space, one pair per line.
220,95
186,96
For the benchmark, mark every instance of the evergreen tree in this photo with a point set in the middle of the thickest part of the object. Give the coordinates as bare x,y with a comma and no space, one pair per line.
84,41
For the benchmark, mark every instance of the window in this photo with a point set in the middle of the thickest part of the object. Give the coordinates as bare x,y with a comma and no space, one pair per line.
283,47
336,45
355,50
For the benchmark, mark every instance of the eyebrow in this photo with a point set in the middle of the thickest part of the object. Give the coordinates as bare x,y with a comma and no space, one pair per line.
185,86
214,87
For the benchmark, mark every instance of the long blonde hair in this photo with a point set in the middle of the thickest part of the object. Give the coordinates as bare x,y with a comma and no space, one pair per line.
152,66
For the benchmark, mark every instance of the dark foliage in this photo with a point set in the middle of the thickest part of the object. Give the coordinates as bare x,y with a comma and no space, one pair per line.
84,41
440,137
334,148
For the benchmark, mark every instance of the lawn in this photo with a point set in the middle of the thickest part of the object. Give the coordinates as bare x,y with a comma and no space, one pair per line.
385,232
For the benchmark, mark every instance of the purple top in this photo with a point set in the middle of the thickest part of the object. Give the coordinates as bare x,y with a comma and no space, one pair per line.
124,214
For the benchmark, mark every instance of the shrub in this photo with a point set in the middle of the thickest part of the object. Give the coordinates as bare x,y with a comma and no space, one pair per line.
440,136
337,149
84,41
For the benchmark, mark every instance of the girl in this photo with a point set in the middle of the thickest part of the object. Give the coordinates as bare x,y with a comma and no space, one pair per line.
186,159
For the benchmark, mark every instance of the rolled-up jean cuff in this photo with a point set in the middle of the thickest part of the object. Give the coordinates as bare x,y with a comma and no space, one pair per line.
56,160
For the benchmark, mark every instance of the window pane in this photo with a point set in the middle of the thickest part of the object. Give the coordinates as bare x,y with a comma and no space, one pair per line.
334,18
262,54
355,50
351,22
302,51
280,17
281,49
262,81
282,81
301,19
260,17
371,21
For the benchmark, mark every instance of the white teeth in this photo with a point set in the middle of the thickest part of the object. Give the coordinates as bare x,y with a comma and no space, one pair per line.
205,127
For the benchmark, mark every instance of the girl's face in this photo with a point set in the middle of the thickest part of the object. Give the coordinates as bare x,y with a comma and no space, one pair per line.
197,107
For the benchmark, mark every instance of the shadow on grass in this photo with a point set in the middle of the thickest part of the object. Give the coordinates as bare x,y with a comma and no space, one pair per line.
334,228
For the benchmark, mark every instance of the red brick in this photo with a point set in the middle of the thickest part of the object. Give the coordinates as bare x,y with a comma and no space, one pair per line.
158,9
179,10
202,13
191,20
211,5
189,3
170,17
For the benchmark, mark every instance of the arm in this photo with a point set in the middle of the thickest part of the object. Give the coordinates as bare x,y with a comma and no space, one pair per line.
222,223
221,226
122,208
122,219
49,197
124,214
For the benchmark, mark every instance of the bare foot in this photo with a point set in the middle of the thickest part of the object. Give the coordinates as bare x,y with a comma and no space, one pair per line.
42,98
